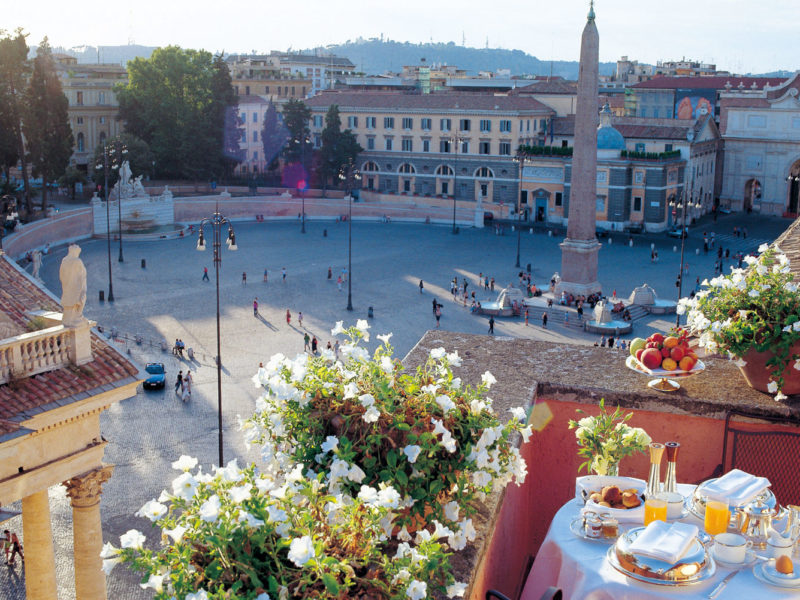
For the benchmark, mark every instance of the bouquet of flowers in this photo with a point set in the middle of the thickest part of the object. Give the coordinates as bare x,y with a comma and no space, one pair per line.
754,308
606,439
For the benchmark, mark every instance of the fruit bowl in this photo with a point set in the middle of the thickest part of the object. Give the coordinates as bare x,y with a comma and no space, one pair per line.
663,381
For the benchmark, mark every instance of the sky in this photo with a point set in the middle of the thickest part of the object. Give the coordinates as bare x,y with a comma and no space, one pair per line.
739,36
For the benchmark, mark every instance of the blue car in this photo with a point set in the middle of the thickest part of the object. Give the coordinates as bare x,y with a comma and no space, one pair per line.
157,378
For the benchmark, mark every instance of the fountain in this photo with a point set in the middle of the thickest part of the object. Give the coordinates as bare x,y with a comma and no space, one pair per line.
504,305
646,297
605,323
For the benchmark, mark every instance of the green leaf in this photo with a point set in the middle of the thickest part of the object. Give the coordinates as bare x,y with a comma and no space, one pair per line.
330,583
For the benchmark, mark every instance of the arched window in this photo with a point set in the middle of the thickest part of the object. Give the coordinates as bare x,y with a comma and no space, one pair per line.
102,137
484,172
444,171
80,142
407,169
370,166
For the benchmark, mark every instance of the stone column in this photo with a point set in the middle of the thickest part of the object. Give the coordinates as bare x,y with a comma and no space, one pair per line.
579,250
87,534
40,562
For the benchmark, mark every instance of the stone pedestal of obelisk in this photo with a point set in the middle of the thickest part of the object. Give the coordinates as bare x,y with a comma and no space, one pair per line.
579,249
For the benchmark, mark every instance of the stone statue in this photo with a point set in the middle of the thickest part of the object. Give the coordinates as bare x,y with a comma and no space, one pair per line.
73,287
37,262
125,172
138,188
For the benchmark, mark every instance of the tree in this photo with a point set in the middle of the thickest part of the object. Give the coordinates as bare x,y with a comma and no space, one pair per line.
296,116
71,177
14,70
274,135
224,107
138,154
45,122
338,147
178,102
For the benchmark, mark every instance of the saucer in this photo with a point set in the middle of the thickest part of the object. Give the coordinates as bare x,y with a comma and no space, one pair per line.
577,528
764,573
749,560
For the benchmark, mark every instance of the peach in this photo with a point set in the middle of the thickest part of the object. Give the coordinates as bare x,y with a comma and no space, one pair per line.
687,363
671,342
677,353
669,364
651,358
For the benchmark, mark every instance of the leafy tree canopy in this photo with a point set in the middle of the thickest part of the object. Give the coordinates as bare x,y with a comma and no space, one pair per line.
137,153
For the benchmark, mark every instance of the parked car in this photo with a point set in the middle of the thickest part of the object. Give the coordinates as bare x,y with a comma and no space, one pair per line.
676,232
488,216
157,378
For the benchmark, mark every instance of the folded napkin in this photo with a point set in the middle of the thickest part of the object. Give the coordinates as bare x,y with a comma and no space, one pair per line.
667,542
735,487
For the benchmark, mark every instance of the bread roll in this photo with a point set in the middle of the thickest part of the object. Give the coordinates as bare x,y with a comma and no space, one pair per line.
630,499
611,494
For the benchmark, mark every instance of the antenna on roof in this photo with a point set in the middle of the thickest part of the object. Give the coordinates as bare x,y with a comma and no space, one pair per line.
463,38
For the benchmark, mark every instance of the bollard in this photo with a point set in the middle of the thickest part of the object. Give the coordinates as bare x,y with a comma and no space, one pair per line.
609,241
102,296
144,263
652,246
630,243
674,248
697,251
324,233
531,230
549,233
370,313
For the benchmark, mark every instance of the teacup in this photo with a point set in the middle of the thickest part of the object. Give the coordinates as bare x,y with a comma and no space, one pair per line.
674,504
779,547
731,547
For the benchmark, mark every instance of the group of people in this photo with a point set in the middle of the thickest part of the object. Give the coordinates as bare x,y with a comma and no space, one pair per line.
311,345
11,547
183,385
609,343
178,348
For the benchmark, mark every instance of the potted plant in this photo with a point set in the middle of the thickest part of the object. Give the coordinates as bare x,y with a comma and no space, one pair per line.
606,439
753,315
365,421
256,535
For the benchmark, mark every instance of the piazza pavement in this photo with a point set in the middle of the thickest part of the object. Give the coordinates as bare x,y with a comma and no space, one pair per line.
168,300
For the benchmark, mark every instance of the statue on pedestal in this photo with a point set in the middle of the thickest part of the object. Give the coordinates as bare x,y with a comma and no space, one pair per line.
73,287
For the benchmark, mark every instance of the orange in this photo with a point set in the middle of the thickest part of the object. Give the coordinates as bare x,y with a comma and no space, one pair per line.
669,364
671,342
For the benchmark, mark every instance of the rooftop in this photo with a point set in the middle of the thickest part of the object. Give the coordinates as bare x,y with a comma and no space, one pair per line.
437,101
710,83
23,398
632,128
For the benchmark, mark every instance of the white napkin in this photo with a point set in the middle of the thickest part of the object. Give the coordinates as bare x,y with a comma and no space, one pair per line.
667,542
623,516
736,487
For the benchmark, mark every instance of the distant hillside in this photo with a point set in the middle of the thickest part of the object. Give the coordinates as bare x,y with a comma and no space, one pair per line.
105,54
375,57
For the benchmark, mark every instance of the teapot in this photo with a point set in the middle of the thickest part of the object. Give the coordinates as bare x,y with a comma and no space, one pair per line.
755,521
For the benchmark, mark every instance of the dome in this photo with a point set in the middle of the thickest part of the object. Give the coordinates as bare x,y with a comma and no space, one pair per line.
608,138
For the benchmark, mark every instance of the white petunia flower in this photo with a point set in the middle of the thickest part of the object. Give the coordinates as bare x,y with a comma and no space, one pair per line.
132,539
362,325
185,463
175,533
519,414
763,248
451,510
338,328
412,452
385,338
184,486
152,510
330,444
301,550
780,396
154,582
454,359
797,364
368,494
241,493
366,400
455,590
198,595
356,474
488,379
209,510
445,403
109,551
372,415
417,590
438,353
350,390
386,365
753,293
403,535
772,387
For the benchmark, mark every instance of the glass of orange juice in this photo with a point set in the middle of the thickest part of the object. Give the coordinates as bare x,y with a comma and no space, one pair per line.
655,509
717,517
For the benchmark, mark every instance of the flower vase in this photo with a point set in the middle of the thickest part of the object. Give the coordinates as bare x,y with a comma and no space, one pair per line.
612,470
758,374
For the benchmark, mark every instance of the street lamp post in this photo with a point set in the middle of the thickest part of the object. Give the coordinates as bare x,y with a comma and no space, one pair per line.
303,141
114,152
685,202
349,174
520,160
456,139
217,221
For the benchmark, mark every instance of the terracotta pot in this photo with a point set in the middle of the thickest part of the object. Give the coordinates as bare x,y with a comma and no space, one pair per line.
758,374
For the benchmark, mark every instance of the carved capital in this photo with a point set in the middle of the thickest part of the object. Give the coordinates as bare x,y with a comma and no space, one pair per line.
84,491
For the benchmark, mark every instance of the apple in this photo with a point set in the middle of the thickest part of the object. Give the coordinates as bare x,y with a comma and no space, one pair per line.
651,358
636,344
639,354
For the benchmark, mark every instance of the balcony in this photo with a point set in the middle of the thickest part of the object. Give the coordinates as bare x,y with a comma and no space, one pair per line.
47,349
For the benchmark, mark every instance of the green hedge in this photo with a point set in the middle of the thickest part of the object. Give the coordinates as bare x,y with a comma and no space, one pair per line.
650,155
545,150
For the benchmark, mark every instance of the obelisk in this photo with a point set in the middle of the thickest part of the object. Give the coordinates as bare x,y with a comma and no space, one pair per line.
579,249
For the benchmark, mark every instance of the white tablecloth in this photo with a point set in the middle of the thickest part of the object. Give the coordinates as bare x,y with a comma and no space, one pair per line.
580,569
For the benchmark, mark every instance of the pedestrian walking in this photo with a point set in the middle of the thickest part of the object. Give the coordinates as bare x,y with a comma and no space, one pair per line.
178,381
16,548
486,283
566,318
435,304
314,345
438,315
466,283
300,318
744,233
266,276
491,324
491,284
526,317
288,317
244,278
188,379
255,307
420,285
205,274
480,279
330,273
283,274
336,349
339,283
610,342
544,320
306,341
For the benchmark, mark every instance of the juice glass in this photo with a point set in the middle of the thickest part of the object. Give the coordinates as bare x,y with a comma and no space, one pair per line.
717,517
655,509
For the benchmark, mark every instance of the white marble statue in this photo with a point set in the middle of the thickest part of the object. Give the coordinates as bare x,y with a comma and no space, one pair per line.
125,172
138,188
37,262
73,287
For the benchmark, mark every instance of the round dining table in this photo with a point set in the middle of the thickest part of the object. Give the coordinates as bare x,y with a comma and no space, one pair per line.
581,570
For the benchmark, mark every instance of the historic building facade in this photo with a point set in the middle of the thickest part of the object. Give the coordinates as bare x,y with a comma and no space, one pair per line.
761,134
434,144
